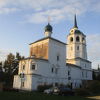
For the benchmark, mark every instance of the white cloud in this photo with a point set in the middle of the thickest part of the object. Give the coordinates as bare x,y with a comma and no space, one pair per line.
94,48
61,10
57,9
7,10
3,55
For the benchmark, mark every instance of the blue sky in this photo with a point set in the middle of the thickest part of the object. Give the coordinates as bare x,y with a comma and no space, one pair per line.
23,21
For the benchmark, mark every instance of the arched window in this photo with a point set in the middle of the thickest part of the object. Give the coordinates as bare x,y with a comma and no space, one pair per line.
83,39
77,39
71,39
23,67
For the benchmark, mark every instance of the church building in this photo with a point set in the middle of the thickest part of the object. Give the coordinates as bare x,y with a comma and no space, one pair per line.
53,62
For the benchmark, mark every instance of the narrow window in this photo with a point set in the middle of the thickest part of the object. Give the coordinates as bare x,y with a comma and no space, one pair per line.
77,39
83,39
71,39
82,74
86,74
77,47
56,70
23,67
52,70
33,67
68,72
57,58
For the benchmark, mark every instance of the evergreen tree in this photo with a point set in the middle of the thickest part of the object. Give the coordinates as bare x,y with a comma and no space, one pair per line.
18,57
11,67
93,75
1,72
98,67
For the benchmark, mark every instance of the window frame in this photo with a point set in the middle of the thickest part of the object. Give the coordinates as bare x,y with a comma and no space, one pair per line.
35,66
23,67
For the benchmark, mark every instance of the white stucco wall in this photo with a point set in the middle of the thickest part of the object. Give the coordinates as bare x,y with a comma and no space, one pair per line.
27,82
43,68
75,74
72,51
58,49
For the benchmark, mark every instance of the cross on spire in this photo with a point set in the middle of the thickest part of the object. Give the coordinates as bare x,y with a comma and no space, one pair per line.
75,22
49,19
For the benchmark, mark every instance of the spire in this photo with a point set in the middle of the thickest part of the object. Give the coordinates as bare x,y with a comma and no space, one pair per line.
75,22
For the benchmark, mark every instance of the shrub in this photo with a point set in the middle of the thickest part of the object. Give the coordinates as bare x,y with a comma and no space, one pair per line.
41,88
90,88
82,92
94,86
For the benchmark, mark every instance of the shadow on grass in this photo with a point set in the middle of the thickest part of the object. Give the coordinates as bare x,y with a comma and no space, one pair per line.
36,96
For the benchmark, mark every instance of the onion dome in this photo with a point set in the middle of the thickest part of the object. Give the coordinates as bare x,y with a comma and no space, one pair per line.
48,28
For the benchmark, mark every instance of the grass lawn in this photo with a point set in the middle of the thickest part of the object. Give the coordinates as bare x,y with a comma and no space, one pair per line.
36,96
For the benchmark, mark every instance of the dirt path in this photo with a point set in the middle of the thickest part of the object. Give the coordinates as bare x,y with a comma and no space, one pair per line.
95,97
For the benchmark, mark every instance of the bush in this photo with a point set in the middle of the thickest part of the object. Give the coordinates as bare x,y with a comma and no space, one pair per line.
41,88
93,86
82,92
1,86
90,88
10,89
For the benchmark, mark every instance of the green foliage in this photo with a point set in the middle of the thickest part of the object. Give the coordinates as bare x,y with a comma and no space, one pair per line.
98,77
41,88
93,86
82,92
93,75
90,88
9,68
1,72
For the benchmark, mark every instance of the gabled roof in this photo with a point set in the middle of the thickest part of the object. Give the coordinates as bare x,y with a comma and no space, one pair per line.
72,65
83,59
34,58
48,38
79,58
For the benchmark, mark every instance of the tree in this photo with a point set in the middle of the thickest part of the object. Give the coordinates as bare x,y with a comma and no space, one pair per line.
8,64
1,72
98,77
18,56
98,67
93,75
11,67
0,66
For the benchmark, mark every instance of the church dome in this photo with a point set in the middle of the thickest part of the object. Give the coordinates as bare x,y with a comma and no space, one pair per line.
78,32
48,28
75,31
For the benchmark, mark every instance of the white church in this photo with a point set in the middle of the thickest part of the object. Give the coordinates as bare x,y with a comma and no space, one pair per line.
53,62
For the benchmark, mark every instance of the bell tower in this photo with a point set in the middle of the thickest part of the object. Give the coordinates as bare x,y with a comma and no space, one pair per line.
76,43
